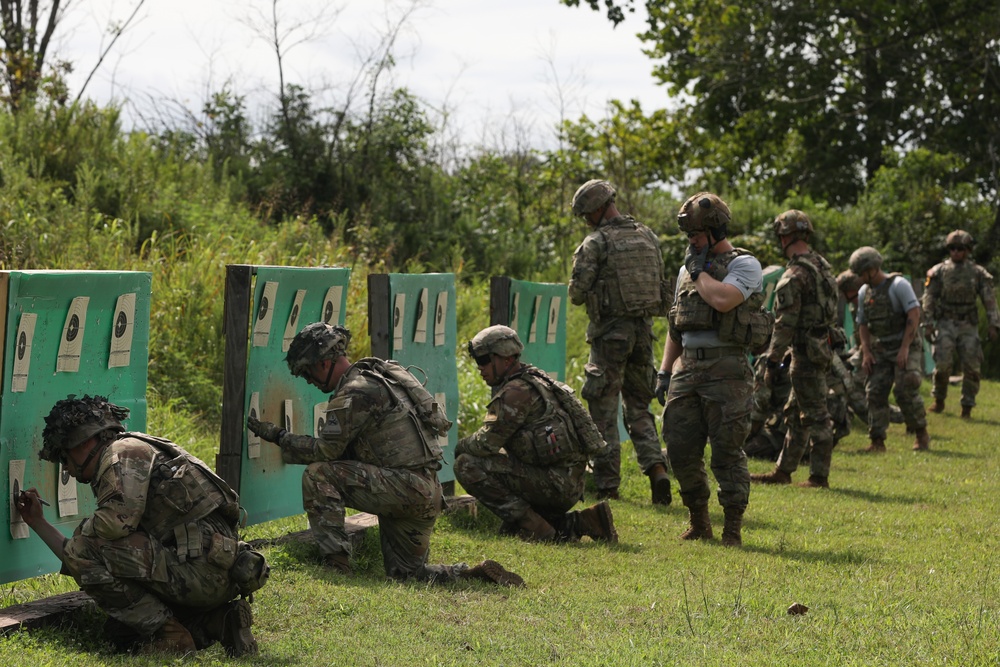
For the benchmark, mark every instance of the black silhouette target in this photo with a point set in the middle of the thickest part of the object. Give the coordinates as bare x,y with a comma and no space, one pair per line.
295,314
22,345
328,312
73,328
121,324
263,308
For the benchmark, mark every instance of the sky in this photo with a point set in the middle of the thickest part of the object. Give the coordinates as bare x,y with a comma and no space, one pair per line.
499,67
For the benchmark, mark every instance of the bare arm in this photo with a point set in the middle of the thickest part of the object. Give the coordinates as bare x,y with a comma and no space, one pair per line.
912,323
721,296
29,506
671,350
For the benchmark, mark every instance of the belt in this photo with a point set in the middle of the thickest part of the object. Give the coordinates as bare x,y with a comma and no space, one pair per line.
713,352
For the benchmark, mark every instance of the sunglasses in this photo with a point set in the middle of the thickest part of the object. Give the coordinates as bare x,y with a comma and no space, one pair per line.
956,247
482,359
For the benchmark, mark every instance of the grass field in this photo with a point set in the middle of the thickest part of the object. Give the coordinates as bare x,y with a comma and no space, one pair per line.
897,562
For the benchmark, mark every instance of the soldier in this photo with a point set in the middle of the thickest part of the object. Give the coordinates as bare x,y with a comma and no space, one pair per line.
952,319
618,274
161,553
527,462
889,328
805,319
716,318
377,452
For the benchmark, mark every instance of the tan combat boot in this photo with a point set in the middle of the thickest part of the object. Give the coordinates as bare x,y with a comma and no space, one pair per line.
171,637
494,573
596,522
731,531
776,476
938,405
659,484
534,528
815,482
230,624
701,524
923,441
876,446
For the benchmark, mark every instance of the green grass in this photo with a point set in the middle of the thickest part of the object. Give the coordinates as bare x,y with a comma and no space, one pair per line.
897,562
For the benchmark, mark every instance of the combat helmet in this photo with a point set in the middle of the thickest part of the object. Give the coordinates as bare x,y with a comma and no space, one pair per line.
497,339
316,342
793,222
959,237
704,211
72,421
591,196
865,258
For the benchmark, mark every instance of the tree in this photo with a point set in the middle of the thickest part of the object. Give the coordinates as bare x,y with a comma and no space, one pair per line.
26,32
807,96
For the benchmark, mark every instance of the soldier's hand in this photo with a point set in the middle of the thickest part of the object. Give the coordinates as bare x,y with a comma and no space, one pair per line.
993,332
662,386
694,260
266,430
29,506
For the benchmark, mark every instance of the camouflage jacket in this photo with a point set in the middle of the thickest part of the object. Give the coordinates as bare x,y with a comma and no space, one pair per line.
144,483
950,292
512,423
805,303
371,420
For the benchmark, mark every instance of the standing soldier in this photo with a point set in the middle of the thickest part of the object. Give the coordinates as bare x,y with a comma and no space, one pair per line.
161,553
377,452
618,274
952,318
891,347
805,319
527,462
717,317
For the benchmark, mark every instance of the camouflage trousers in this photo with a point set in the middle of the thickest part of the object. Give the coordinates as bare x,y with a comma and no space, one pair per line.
905,386
407,504
621,364
807,417
709,402
509,488
142,583
959,338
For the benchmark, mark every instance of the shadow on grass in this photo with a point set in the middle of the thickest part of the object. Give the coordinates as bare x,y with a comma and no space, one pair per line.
843,557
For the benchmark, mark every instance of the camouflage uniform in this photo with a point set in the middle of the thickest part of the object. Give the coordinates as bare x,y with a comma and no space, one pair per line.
162,538
805,305
949,303
522,476
374,454
886,324
710,395
618,274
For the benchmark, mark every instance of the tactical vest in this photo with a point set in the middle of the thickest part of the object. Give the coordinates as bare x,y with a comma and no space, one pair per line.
883,322
404,432
565,434
630,283
819,307
182,490
958,292
749,324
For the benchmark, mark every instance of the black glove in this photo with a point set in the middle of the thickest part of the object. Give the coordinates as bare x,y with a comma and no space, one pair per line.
662,386
770,373
694,260
266,430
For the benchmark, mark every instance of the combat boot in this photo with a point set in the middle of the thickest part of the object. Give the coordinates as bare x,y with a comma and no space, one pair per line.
876,446
659,484
815,482
923,441
731,531
534,528
938,405
595,522
339,562
776,476
494,573
230,624
966,412
701,524
608,494
171,637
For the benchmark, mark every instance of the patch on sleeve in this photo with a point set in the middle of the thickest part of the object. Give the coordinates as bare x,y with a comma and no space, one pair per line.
332,425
